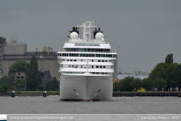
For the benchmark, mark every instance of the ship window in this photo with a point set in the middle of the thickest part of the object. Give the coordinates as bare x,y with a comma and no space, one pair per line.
99,61
70,72
105,60
97,66
92,66
81,50
93,73
102,60
87,55
70,60
102,55
114,56
72,65
75,60
81,66
81,60
67,60
69,65
100,66
97,73
92,60
85,50
104,66
102,73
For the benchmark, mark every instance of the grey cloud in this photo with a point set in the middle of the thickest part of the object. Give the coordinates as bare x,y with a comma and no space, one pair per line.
146,31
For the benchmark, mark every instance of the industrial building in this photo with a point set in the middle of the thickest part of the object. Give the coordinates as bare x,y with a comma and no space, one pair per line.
13,51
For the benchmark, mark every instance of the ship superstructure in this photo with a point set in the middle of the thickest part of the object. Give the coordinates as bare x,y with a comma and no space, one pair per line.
86,65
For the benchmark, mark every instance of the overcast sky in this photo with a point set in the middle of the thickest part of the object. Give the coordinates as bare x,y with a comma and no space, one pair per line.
145,30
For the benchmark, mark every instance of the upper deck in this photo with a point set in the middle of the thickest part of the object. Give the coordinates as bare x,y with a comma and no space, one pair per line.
81,44
90,38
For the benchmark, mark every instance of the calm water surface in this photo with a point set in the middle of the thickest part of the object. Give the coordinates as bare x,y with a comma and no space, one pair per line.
119,105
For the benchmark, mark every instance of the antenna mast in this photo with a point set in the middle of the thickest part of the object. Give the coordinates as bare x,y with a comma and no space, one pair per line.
87,28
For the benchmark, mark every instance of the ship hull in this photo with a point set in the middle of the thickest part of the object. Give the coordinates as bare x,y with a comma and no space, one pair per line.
86,88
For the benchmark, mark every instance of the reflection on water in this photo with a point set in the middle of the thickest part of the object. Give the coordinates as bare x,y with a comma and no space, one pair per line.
119,105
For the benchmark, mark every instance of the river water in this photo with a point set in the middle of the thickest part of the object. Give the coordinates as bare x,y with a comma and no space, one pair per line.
119,105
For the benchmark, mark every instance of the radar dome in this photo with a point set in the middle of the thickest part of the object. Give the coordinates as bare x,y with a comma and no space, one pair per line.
99,35
74,35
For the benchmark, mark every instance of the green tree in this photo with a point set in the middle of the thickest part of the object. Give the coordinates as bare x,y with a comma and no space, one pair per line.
3,88
120,85
136,83
9,80
169,58
169,72
33,77
18,66
148,84
52,85
124,84
159,83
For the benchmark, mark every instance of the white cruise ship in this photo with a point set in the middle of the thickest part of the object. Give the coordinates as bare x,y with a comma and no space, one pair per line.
86,65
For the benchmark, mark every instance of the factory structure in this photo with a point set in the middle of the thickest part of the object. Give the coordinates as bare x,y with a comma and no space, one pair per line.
13,51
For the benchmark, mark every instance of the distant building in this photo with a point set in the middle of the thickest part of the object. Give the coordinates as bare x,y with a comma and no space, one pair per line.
11,52
140,73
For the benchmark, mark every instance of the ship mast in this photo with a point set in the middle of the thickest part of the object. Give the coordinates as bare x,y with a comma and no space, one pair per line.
87,28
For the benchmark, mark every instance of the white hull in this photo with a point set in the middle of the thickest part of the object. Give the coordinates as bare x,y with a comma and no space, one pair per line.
86,87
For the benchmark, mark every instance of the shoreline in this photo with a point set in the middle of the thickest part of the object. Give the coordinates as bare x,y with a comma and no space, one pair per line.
115,94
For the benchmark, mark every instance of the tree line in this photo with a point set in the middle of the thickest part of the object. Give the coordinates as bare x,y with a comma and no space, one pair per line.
164,75
33,80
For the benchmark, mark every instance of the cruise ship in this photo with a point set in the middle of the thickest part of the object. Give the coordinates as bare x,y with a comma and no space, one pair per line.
87,65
